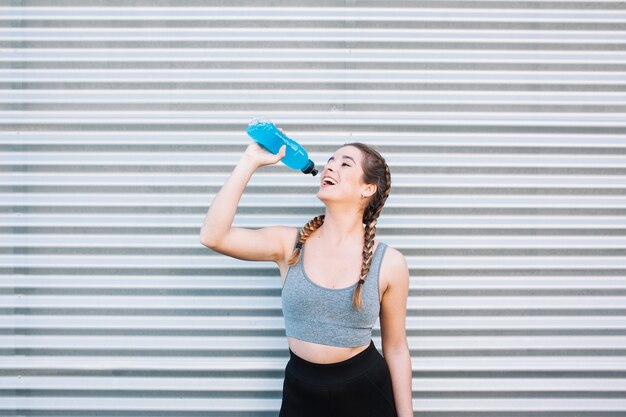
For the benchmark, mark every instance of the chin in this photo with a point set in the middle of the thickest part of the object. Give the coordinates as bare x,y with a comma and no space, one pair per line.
330,197
323,196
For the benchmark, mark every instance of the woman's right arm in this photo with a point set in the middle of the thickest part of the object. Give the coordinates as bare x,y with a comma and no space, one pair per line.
217,233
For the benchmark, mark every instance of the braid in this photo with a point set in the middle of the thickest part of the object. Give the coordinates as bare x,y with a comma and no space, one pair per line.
306,231
370,218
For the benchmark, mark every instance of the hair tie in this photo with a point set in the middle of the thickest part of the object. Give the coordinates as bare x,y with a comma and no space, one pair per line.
361,281
299,245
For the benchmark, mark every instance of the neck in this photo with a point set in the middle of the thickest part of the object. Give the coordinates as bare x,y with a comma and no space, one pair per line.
342,227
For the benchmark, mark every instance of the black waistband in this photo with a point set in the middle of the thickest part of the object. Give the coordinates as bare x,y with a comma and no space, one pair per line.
334,372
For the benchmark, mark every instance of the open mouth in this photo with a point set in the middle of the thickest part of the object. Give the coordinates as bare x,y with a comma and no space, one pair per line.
328,182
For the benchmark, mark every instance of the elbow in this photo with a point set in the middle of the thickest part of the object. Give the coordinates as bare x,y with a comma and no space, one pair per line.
208,243
214,237
208,240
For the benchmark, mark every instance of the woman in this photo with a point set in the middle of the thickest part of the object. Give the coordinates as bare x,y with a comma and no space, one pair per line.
350,280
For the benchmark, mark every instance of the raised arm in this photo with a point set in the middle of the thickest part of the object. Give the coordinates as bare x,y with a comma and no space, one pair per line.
217,233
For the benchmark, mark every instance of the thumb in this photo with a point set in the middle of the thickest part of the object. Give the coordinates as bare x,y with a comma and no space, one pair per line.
281,153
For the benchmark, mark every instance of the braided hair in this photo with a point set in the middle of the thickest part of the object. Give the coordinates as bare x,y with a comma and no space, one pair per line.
375,171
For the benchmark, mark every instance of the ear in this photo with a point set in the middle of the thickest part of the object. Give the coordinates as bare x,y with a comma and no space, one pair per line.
368,190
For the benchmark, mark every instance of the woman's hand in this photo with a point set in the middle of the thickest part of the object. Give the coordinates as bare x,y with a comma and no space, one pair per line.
259,156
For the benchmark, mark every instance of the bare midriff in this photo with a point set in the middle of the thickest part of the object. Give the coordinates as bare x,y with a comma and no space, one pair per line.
323,354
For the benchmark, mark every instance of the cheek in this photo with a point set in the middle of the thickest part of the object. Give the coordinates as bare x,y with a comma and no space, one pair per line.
352,179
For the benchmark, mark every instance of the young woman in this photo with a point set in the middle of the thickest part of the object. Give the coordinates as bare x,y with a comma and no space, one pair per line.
337,280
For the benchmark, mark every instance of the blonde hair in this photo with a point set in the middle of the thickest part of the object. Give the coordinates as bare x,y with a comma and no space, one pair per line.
375,171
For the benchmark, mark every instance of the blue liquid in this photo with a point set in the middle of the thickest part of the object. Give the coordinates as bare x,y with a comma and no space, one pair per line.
266,134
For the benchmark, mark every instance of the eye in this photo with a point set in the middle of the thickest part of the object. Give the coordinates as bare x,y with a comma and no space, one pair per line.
345,164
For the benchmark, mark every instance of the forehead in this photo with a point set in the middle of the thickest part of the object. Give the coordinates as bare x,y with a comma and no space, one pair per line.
351,151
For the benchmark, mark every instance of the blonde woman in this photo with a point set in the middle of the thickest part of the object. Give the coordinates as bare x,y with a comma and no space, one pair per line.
337,280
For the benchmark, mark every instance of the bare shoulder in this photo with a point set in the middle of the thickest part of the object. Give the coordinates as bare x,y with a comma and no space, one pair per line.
394,260
394,267
285,234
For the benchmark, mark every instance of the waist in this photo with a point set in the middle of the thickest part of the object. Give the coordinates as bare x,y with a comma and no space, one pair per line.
322,353
335,372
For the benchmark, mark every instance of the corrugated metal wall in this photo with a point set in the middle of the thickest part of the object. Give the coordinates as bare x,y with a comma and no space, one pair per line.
503,123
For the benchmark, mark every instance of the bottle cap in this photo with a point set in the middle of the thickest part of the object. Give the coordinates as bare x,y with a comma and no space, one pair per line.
310,169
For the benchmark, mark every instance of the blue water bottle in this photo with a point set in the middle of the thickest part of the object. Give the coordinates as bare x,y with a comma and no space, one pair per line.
266,134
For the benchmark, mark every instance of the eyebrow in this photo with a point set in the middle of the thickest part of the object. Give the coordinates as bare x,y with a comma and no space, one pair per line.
343,156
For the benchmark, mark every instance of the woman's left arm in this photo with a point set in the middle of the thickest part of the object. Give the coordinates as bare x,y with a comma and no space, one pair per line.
393,330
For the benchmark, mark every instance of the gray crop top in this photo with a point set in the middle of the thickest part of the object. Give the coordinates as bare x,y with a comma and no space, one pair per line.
325,315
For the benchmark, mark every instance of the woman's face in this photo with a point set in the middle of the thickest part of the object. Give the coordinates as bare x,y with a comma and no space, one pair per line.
342,177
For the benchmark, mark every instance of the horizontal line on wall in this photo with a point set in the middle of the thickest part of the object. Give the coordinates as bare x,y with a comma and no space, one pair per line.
443,192
572,313
469,303
51,64
308,76
560,11
615,290
290,201
387,225
269,54
149,42
215,344
319,35
314,140
423,385
237,120
380,107
259,405
314,211
522,186
433,241
309,96
425,325
527,26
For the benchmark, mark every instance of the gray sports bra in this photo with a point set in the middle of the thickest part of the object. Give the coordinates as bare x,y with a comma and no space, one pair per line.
325,315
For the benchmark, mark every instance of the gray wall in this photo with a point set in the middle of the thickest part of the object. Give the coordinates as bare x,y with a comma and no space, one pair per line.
502,121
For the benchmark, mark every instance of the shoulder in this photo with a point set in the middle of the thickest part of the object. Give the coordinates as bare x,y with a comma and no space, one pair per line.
284,235
394,267
393,257
287,235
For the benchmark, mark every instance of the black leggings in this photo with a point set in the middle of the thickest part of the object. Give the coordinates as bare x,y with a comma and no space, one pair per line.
359,386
